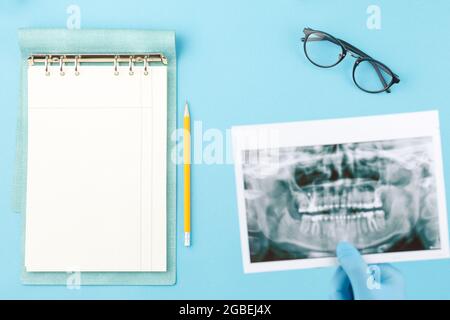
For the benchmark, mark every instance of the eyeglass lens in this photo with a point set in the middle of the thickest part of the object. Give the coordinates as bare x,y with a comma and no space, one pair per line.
370,76
322,50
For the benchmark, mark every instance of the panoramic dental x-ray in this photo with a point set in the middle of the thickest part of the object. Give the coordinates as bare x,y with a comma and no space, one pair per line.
380,196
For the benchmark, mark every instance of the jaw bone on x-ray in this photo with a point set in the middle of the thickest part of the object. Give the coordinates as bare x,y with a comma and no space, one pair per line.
380,196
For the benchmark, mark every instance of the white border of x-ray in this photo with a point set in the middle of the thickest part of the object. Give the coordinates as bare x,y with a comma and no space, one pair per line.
320,132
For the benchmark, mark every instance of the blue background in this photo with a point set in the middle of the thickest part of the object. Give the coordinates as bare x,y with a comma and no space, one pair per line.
240,62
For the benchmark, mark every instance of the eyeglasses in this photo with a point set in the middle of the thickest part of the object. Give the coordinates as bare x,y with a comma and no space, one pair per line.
326,51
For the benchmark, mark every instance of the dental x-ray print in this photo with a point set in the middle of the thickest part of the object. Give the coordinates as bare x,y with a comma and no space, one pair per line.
382,195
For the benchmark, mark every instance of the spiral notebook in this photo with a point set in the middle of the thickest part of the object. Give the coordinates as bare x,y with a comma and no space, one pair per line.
96,169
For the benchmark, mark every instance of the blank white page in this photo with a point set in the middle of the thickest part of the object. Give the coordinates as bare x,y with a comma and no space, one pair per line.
96,172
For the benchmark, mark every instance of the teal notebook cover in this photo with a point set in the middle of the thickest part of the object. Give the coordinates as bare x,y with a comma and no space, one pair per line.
47,41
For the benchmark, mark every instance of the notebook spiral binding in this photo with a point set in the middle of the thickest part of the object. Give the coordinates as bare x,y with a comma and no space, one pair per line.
74,60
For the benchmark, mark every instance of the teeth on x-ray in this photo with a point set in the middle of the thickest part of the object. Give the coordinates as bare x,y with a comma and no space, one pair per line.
381,196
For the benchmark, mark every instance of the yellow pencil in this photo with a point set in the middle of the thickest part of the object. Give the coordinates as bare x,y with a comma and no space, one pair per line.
187,175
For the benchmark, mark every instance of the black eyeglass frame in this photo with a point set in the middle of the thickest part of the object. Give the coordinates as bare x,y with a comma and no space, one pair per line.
356,53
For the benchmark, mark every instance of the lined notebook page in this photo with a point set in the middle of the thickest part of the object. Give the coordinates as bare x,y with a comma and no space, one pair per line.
96,172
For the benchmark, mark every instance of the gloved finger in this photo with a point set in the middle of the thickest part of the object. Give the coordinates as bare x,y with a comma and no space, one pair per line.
340,286
354,266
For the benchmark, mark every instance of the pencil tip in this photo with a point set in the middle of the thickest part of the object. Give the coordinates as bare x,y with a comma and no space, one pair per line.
186,109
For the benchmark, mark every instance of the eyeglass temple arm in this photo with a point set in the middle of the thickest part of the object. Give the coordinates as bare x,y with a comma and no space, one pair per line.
355,50
346,45
362,54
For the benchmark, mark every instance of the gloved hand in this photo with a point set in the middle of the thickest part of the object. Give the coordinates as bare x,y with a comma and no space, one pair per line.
354,280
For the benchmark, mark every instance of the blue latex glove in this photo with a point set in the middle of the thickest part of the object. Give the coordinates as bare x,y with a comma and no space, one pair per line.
355,280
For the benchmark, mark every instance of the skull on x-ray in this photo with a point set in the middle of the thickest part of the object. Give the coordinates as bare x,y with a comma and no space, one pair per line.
380,196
